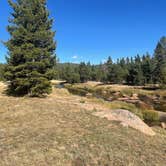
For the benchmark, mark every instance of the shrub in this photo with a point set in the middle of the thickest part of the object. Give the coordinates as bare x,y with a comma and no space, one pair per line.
128,91
77,91
161,106
82,101
150,116
73,78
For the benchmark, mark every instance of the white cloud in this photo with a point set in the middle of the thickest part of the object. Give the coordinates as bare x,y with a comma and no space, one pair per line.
75,57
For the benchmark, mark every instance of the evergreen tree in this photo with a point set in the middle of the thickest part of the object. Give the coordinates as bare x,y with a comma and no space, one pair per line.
84,72
135,75
117,74
31,48
124,69
160,59
109,68
89,70
147,68
2,67
96,73
70,74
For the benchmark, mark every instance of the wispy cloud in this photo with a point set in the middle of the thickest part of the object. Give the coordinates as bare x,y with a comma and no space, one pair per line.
75,57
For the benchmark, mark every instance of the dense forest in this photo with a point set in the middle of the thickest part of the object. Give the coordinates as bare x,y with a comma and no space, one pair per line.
138,70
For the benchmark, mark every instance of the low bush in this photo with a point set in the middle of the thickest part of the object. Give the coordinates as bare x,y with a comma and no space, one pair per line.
150,116
128,91
77,91
161,106
82,101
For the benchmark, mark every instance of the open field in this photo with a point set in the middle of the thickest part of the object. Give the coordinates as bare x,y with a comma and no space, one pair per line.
61,130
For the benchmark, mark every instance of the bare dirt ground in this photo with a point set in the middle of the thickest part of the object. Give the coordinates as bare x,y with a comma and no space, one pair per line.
61,130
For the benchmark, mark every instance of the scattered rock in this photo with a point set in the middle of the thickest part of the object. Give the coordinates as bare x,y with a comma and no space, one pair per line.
127,119
134,96
163,125
123,99
125,96
117,94
104,92
145,98
162,116
143,105
89,95
110,99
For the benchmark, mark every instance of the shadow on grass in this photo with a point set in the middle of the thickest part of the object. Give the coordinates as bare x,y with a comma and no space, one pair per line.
11,93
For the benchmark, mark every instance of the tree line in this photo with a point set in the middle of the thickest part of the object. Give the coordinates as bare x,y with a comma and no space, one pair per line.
31,60
140,70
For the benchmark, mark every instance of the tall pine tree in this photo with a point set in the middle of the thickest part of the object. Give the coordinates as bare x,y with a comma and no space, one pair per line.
31,48
160,58
84,72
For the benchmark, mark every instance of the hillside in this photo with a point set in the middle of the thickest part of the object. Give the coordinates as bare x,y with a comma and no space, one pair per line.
62,130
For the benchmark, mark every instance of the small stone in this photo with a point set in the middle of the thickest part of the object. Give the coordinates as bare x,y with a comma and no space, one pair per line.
163,125
89,95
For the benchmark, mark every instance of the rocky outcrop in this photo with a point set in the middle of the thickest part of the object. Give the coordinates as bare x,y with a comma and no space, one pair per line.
126,118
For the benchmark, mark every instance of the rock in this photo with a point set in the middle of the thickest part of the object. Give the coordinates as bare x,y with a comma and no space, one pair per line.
134,97
126,118
125,96
110,99
148,99
117,94
123,99
142,105
163,125
104,92
89,95
162,116
128,100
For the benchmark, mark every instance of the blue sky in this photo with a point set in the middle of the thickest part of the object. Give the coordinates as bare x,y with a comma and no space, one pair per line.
92,30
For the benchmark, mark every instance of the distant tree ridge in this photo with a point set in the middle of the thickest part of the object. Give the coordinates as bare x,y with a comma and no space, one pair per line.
140,70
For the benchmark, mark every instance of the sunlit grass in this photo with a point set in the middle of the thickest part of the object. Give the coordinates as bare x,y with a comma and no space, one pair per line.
56,130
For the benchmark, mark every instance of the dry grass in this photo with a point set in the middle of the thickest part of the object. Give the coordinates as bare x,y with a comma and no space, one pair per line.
61,131
126,89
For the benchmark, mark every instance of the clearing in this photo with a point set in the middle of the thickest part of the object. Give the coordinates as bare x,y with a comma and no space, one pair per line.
61,130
